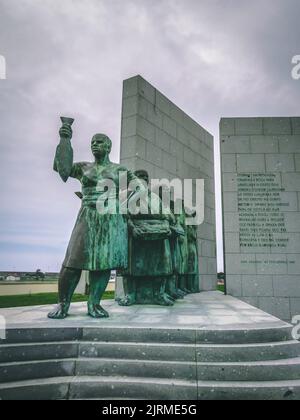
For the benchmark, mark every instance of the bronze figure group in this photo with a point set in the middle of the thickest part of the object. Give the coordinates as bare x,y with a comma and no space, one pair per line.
156,254
163,257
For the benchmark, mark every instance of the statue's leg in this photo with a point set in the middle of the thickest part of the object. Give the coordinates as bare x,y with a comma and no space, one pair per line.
183,283
160,296
195,283
67,283
98,284
168,289
178,284
171,298
179,292
171,288
129,284
144,290
187,286
163,287
189,283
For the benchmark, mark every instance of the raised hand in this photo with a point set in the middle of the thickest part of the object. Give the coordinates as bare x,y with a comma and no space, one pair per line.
66,131
63,161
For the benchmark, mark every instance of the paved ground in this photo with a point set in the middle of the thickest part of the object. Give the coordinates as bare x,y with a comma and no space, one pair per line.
207,310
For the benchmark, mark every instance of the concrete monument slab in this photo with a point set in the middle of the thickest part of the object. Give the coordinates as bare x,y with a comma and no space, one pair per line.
160,138
261,183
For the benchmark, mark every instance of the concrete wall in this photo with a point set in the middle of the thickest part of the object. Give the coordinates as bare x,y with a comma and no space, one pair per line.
159,137
261,155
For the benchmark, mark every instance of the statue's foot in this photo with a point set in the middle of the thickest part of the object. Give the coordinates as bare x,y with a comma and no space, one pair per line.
179,296
181,292
163,300
60,312
126,301
170,297
175,295
96,311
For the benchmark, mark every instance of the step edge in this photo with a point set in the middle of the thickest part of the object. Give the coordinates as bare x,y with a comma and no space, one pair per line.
94,379
275,362
93,359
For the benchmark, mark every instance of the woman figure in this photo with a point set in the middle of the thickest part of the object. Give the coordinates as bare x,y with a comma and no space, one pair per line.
150,260
99,240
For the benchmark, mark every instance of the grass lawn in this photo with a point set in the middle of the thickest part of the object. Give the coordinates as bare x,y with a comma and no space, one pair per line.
221,288
41,299
49,299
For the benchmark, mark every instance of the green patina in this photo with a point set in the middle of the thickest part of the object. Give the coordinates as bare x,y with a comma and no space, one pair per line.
163,257
156,253
99,242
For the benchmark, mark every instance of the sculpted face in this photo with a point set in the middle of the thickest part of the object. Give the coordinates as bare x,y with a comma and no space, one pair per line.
141,174
100,145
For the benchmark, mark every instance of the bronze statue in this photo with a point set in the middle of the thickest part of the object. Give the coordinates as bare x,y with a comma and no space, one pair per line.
193,264
178,232
180,249
150,260
99,242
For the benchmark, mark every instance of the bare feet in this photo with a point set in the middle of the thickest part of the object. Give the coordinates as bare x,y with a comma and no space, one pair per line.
126,301
170,297
181,292
176,296
96,311
163,300
60,311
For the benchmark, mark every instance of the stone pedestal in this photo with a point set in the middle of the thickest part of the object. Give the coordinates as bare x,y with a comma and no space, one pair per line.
209,346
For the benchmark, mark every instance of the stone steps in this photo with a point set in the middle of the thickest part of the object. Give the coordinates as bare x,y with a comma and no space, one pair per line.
36,389
36,369
19,371
137,368
273,370
37,351
150,351
148,335
244,336
56,350
274,390
148,388
137,363
86,387
247,352
139,351
110,399
92,387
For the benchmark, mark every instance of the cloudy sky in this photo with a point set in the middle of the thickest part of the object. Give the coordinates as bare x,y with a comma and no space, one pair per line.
213,58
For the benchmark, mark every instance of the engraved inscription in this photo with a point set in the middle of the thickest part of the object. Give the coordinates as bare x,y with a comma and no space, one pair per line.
261,217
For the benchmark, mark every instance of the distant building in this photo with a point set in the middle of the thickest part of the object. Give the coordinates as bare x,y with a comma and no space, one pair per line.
28,276
12,278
